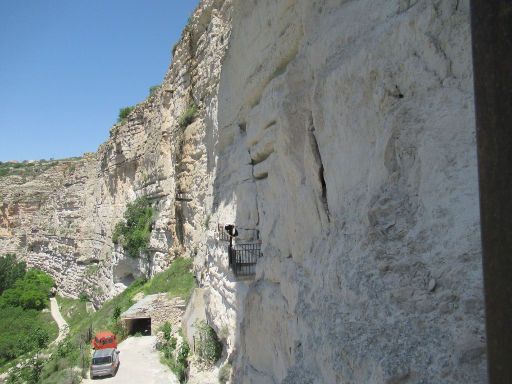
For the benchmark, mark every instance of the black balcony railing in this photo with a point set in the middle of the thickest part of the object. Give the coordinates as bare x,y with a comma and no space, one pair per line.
243,258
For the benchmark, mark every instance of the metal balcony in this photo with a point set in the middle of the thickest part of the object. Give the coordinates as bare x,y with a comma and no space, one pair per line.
243,258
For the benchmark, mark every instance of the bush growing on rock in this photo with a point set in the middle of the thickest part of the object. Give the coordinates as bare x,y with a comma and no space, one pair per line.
224,373
83,297
153,90
175,357
123,113
208,345
188,116
134,231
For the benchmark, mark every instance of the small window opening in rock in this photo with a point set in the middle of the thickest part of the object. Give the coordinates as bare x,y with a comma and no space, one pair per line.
127,279
243,127
398,94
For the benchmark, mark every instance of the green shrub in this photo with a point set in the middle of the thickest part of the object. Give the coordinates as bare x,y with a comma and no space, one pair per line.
22,331
124,112
10,271
208,345
83,297
224,373
119,330
153,90
134,232
70,353
30,292
175,359
188,116
180,364
166,328
117,313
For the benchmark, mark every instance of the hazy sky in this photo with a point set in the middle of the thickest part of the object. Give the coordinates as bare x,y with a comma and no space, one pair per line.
67,66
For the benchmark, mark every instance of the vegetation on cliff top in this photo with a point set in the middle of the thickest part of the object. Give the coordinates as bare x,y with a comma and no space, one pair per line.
33,168
134,231
123,113
26,168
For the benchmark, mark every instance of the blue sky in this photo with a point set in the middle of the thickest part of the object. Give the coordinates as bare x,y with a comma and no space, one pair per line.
67,66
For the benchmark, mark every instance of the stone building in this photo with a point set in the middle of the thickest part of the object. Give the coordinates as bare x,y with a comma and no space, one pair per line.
150,313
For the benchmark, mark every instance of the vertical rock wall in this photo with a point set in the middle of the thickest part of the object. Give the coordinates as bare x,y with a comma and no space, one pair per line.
346,139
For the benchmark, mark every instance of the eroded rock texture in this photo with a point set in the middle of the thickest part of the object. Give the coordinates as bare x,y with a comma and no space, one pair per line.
339,135
346,138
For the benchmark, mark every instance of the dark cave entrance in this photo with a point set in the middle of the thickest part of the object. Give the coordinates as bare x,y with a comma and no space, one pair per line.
141,325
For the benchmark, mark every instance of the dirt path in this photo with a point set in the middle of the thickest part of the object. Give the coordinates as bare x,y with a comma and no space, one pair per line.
140,363
61,323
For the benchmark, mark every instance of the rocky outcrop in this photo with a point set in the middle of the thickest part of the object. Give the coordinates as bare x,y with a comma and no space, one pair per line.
338,136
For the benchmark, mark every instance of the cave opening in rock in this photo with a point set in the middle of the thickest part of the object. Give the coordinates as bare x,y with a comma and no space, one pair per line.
141,325
127,279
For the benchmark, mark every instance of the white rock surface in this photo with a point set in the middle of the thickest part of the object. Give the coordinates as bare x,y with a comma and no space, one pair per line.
357,119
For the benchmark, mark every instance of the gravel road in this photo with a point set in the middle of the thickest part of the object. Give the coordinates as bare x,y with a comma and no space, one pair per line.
140,363
61,323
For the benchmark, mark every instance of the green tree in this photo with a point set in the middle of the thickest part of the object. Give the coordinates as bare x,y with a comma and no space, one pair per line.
10,271
29,292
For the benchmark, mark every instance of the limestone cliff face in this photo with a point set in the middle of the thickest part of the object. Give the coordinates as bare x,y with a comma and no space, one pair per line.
340,136
346,139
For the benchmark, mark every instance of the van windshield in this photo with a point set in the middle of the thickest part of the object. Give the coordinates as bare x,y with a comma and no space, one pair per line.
101,360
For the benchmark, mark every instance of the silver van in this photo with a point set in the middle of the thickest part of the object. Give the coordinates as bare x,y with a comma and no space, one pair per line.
104,362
